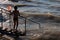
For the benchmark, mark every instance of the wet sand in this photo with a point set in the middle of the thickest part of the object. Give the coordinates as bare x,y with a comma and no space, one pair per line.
49,34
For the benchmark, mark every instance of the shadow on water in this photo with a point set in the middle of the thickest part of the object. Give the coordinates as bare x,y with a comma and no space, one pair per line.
17,38
13,34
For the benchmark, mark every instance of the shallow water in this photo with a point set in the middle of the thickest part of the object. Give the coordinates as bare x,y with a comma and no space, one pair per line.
39,6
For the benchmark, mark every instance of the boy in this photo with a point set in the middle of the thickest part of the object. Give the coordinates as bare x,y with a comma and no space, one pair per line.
15,14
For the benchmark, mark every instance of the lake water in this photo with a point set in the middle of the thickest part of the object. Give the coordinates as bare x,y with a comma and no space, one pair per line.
42,6
39,6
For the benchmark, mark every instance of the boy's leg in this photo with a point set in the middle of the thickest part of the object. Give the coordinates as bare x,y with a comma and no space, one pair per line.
16,23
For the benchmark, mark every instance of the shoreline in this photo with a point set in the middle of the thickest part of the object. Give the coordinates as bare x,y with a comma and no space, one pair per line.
47,16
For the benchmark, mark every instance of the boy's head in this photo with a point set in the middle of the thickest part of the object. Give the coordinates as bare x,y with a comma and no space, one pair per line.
15,7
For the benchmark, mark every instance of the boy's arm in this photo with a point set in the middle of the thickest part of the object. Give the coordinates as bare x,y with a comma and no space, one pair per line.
18,13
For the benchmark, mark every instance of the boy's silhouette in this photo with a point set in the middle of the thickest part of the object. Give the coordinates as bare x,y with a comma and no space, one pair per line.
15,14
